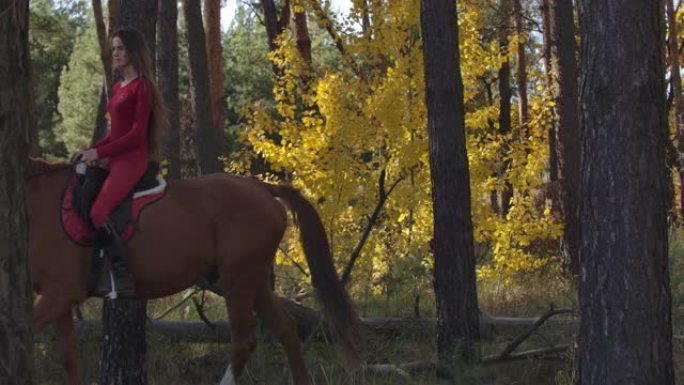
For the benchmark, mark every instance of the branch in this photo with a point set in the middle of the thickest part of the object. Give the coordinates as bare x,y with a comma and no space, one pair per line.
535,353
309,326
200,311
176,306
328,24
382,198
524,336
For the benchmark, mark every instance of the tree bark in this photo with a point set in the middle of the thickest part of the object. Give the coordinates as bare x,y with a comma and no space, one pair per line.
544,6
105,57
454,270
505,95
212,26
167,67
564,51
676,84
16,338
521,72
302,36
103,40
625,328
122,359
113,11
200,97
141,15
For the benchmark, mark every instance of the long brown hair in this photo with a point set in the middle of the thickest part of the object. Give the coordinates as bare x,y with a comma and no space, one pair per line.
139,54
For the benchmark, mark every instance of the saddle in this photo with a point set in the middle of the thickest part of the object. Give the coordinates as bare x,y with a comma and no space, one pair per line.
82,189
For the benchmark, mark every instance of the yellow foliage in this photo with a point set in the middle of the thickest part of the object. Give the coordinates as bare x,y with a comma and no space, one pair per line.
333,143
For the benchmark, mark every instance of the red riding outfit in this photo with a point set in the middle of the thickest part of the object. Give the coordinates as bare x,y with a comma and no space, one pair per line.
125,145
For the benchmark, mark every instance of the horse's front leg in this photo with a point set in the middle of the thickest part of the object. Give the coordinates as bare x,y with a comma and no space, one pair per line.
50,310
68,348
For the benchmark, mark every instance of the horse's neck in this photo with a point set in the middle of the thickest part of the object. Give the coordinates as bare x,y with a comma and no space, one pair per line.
43,195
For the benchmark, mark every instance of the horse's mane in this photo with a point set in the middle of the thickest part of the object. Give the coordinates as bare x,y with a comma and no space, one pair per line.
37,167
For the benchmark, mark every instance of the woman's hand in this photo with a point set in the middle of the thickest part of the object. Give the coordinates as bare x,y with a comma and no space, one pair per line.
89,155
85,156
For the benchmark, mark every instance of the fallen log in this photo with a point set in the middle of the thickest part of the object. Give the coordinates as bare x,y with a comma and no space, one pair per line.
308,321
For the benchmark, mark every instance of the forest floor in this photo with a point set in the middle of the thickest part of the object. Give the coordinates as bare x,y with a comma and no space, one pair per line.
170,363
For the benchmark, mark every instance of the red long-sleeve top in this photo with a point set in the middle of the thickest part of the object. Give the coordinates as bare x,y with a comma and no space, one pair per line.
129,113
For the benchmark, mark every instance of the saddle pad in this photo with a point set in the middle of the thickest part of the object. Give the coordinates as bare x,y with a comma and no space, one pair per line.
77,229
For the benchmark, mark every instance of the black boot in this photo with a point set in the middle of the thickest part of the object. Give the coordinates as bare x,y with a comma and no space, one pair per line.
99,284
122,283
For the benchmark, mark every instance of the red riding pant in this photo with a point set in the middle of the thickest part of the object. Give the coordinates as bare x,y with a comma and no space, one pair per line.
124,174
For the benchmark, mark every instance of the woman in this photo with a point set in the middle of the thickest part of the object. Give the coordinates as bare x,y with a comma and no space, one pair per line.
136,116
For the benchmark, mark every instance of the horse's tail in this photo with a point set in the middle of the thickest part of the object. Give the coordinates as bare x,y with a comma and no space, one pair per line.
342,319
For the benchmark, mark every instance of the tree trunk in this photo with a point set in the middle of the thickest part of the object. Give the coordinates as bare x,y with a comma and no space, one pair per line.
16,346
625,328
676,84
302,36
100,129
102,38
122,359
454,271
564,48
113,10
274,25
200,97
521,72
141,15
167,67
105,56
212,27
505,94
544,6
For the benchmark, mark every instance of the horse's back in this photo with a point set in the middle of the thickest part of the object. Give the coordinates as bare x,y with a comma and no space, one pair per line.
206,223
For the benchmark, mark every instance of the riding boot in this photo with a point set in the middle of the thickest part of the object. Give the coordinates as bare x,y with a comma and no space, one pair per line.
122,282
99,283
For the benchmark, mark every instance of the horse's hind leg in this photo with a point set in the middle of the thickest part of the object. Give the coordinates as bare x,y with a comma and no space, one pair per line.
283,325
242,333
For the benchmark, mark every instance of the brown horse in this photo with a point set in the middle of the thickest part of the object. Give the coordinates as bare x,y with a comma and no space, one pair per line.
216,222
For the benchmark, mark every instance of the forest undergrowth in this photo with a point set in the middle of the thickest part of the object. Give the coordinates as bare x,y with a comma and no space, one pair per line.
173,363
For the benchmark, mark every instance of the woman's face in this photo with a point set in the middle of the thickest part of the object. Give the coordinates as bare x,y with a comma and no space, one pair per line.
119,55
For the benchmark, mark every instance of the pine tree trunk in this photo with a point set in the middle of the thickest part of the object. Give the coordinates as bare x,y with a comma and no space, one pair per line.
454,271
521,72
676,84
212,26
122,360
625,328
505,95
564,49
100,129
123,352
553,146
141,15
16,339
200,96
102,38
105,57
167,67
113,10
